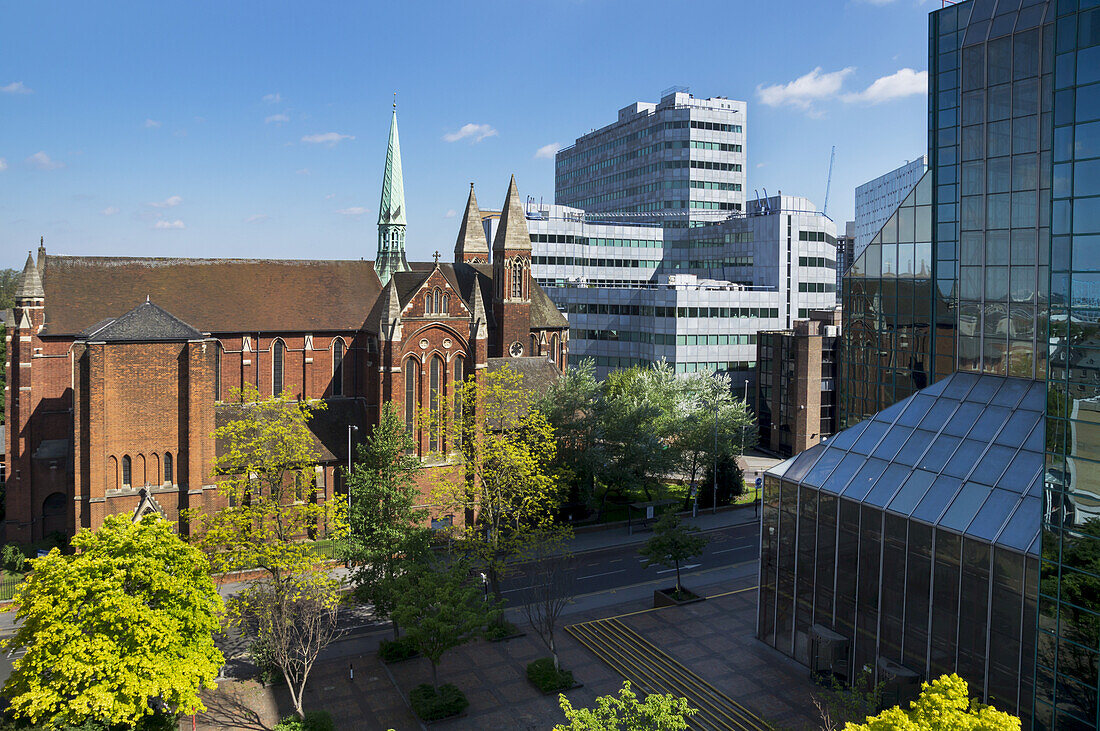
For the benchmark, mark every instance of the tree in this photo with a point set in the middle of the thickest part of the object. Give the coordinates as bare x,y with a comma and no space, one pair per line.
128,618
551,576
943,705
626,713
570,405
295,619
441,609
267,476
672,542
385,526
506,490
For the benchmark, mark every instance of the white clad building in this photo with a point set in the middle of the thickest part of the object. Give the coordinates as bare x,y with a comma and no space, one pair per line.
877,199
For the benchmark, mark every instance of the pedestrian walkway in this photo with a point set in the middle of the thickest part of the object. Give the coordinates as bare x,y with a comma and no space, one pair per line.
651,670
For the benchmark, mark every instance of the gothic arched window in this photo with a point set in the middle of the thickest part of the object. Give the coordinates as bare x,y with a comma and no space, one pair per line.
435,400
517,280
338,367
167,468
459,377
278,355
445,307
554,349
412,373
218,372
127,469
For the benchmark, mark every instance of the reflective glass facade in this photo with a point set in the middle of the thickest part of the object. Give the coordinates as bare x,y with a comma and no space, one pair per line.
1069,624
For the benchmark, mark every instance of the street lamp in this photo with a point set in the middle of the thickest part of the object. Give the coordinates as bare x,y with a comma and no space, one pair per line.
485,585
714,495
347,480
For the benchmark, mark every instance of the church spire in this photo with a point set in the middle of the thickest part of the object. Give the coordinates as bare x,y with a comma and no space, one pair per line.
472,245
391,211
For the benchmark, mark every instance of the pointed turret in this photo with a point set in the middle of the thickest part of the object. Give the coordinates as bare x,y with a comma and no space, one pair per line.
391,211
512,234
472,246
389,315
41,255
30,283
477,313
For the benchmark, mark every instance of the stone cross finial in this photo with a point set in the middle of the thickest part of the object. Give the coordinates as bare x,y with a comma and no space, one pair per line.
436,257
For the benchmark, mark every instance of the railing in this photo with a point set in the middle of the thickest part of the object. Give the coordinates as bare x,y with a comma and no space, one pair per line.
8,583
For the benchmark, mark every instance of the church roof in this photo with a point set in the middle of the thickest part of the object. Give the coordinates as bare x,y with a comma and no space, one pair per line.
471,235
538,372
146,322
328,427
213,295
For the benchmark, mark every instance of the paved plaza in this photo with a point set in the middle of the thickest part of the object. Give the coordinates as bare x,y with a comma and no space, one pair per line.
713,638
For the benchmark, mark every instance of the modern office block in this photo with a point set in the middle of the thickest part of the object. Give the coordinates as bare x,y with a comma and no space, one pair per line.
796,400
876,199
845,252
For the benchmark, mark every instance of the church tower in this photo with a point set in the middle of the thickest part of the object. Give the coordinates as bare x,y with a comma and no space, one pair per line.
512,279
391,212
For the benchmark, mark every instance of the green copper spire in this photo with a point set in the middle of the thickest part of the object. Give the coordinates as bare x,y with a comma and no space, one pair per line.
391,211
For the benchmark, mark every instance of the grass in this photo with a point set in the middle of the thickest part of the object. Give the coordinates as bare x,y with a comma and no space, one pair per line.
614,512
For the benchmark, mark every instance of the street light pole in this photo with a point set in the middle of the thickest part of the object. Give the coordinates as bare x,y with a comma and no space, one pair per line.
347,479
714,497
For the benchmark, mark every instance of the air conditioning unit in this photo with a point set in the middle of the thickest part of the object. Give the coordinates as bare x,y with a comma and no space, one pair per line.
900,685
828,653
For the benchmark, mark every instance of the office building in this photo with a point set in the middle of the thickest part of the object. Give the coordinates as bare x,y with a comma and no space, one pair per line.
796,401
876,199
845,252
942,371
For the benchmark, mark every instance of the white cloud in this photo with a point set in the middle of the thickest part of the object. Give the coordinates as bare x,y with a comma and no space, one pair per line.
903,83
547,152
256,218
805,90
328,138
42,161
277,118
476,133
166,225
151,123
170,202
761,164
450,213
3,164
353,211
302,171
273,98
330,196
16,87
109,211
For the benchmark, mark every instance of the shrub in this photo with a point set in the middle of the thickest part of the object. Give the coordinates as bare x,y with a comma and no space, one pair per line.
12,558
432,705
501,630
314,721
260,655
541,672
391,651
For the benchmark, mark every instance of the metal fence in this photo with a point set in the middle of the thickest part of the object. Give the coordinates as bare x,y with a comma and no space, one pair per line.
8,582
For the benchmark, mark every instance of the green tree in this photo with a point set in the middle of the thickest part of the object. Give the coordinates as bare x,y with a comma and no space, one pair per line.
9,281
626,713
441,609
943,705
507,490
267,476
570,405
386,531
128,618
672,543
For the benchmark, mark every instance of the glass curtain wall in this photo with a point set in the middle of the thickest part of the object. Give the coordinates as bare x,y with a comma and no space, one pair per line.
1069,623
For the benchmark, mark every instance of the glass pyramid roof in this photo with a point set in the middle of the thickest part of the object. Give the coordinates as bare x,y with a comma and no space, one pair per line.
964,454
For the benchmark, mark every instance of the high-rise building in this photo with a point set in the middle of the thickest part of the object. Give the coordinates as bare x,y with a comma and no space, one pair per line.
963,489
876,199
845,252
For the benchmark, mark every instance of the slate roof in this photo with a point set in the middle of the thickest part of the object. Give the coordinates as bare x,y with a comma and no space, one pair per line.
213,295
538,373
145,323
329,427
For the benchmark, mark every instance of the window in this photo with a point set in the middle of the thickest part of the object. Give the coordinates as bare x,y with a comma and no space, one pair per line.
167,468
459,377
412,371
338,367
218,372
554,353
517,280
446,306
435,400
278,353
126,470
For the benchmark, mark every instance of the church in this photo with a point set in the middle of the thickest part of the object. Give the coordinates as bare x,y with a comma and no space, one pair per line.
120,369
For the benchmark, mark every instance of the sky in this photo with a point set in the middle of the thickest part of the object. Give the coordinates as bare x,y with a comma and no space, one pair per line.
258,129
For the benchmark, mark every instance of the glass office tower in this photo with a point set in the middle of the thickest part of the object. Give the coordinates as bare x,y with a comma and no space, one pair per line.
1069,602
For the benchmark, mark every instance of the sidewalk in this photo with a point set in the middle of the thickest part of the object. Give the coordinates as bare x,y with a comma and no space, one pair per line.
595,538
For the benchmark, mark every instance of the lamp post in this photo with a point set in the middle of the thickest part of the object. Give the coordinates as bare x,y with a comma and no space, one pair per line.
745,400
347,479
714,489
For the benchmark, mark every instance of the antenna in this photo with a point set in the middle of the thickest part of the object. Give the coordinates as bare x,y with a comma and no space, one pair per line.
829,182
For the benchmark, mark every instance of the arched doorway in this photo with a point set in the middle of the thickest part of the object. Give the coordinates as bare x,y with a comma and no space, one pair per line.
53,514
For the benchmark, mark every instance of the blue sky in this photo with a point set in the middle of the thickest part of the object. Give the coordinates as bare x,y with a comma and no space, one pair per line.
258,129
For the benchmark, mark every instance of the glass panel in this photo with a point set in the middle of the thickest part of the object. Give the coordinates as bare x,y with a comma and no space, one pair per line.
963,419
865,479
823,467
997,508
918,407
803,462
1018,427
938,454
937,498
870,437
938,414
1023,526
963,460
1022,473
912,492
989,422
915,447
846,438
887,485
892,442
965,506
843,473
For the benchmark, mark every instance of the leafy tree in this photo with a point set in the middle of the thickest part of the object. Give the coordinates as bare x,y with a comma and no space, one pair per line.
385,526
295,620
730,483
839,704
701,435
128,618
943,705
570,405
672,543
268,474
9,281
441,609
506,490
626,713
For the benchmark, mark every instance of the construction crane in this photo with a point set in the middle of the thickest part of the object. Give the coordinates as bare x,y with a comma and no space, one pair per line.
829,182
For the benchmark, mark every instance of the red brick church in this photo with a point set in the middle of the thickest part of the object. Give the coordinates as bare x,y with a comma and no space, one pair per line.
118,367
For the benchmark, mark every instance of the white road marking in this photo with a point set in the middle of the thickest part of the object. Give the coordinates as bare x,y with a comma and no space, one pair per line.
521,588
737,548
615,560
605,573
682,568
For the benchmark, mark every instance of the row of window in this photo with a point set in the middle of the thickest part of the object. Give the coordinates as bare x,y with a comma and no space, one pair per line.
127,477
719,146
634,336
816,261
592,241
586,308
816,286
584,153
804,235
582,261
278,365
647,150
715,206
437,302
715,126
728,261
565,193
711,185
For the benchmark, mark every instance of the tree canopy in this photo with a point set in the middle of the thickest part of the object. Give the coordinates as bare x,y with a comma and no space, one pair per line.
626,713
943,705
128,618
672,543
